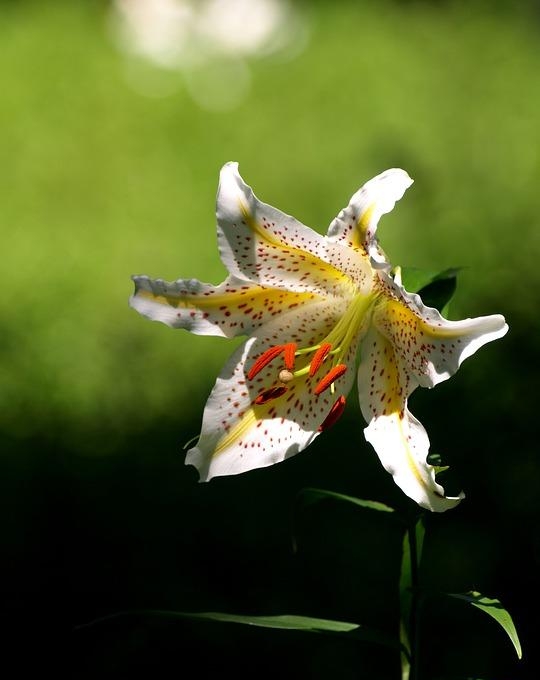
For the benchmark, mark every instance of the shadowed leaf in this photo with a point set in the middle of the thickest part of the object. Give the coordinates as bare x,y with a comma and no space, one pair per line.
306,624
435,288
310,496
494,608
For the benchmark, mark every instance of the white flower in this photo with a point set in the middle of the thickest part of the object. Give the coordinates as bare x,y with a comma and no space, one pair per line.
314,307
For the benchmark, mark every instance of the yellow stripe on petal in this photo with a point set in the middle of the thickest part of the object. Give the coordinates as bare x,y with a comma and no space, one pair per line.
390,401
359,236
429,345
392,405
396,435
357,223
259,296
233,308
306,266
255,416
236,432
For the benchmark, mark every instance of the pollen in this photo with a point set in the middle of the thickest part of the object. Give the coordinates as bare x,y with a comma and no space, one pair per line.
318,358
335,413
332,375
289,352
265,359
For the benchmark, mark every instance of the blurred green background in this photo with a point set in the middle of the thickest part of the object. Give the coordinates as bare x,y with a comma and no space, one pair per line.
110,167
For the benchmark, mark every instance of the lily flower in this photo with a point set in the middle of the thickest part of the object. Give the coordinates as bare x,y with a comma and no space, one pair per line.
318,312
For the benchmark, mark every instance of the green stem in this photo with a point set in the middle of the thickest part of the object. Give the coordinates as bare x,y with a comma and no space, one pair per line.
415,605
411,597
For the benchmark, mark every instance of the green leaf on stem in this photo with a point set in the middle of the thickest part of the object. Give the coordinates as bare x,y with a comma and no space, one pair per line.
281,621
306,624
435,288
436,460
494,608
309,496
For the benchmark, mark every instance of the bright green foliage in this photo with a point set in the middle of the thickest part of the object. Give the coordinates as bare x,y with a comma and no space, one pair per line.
100,182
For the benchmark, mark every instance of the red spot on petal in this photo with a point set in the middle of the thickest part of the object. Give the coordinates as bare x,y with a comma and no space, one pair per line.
268,395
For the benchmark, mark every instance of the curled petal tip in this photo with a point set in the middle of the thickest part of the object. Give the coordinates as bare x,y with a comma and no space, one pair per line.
402,175
230,166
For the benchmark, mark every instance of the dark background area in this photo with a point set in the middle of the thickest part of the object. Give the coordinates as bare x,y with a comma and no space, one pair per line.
111,165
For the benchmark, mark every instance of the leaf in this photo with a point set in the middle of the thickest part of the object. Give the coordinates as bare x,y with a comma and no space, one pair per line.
414,279
435,288
416,533
306,624
494,608
281,621
420,533
435,460
310,496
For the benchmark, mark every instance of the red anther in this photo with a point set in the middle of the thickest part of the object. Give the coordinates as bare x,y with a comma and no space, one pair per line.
335,413
332,375
319,356
289,353
264,360
268,395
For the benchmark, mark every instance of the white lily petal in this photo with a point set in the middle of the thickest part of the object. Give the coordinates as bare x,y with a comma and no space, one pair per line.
357,223
235,307
406,464
261,244
239,434
399,439
431,346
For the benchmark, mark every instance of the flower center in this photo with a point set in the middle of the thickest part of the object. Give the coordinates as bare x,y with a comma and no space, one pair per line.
330,353
289,351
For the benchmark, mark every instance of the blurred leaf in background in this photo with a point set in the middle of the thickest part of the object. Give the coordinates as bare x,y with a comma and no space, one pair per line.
103,182
110,168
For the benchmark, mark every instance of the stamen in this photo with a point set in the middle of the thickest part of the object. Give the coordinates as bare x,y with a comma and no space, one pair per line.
319,356
265,359
332,375
268,395
335,413
289,352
